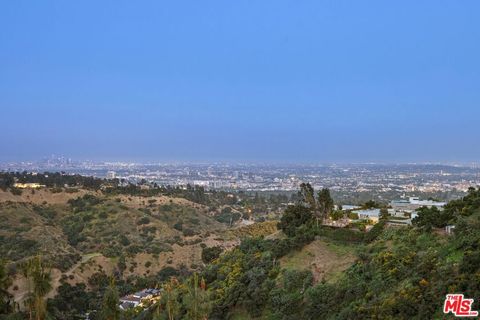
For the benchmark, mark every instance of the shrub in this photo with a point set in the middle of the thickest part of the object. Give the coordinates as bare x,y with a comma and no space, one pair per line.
124,240
134,249
143,220
178,226
159,248
46,212
376,230
353,216
210,254
166,273
16,247
24,220
227,216
189,232
16,191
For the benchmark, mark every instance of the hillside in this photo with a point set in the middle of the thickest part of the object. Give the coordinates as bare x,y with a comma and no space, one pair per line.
82,233
44,196
388,273
304,270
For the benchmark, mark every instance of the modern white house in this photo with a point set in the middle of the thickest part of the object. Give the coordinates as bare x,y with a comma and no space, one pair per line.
408,207
347,207
129,301
413,203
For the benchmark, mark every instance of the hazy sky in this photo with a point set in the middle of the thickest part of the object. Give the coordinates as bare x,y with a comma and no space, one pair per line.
314,81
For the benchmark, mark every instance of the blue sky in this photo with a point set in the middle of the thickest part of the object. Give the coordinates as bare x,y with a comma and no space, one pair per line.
282,81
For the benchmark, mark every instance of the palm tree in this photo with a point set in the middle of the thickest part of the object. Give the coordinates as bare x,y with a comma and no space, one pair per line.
197,299
110,309
40,284
171,298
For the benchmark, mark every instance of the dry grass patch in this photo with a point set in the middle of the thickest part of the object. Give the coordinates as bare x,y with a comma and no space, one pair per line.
325,260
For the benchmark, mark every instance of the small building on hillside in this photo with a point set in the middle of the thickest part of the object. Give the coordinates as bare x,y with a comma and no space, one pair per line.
414,203
449,229
408,207
348,207
140,298
368,214
147,293
129,301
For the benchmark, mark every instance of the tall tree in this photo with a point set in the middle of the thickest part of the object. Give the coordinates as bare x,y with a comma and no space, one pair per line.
170,297
294,217
110,309
197,299
307,195
325,204
40,284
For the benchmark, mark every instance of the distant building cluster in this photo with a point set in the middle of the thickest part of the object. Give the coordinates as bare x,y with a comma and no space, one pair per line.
28,185
387,181
401,211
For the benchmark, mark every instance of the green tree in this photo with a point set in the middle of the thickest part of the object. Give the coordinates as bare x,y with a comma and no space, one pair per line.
6,303
384,214
196,299
211,253
370,204
294,217
110,309
39,284
429,218
170,298
325,204
307,196
70,301
288,299
337,215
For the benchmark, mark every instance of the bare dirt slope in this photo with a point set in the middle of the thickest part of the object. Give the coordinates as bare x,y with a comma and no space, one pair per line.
324,260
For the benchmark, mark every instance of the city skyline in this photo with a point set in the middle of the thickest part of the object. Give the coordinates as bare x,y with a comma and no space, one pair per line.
388,181
118,161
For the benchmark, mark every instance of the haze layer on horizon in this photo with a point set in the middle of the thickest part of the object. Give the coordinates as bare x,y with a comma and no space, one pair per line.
281,81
